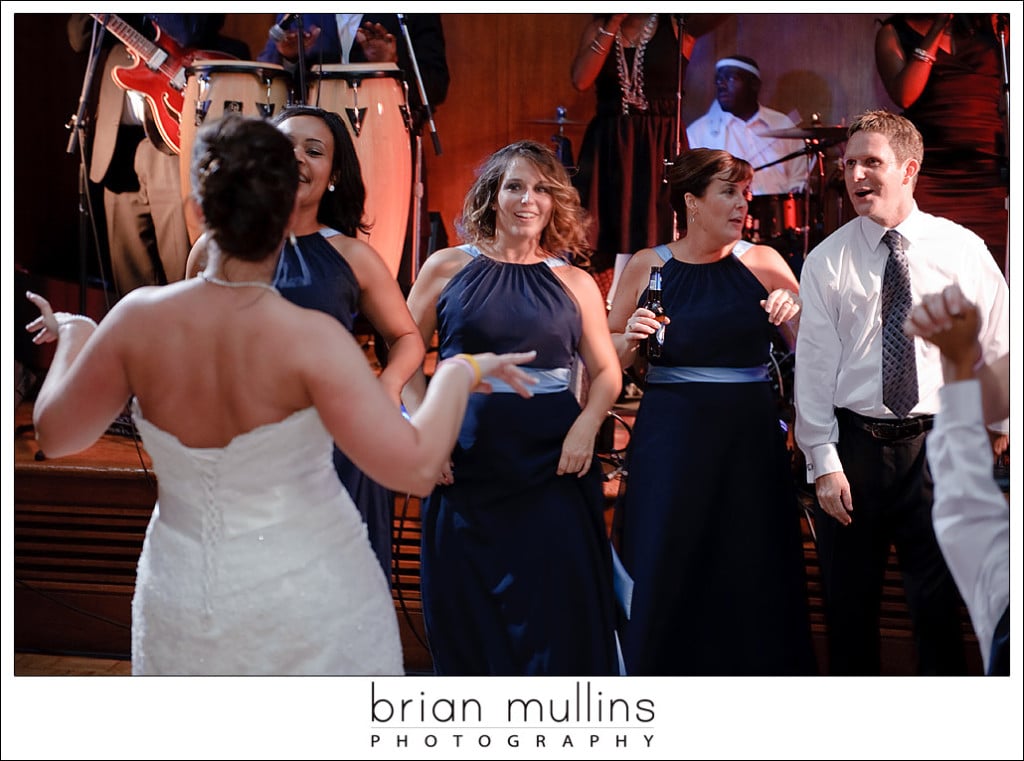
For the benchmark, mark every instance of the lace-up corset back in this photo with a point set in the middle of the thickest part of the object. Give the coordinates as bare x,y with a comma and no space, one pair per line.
254,469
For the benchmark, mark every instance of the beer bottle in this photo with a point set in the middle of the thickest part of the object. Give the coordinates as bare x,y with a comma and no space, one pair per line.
657,339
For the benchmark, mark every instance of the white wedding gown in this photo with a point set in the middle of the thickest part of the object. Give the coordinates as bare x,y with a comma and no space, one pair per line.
256,561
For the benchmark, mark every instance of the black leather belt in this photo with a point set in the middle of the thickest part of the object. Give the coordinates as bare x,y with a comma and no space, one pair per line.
887,430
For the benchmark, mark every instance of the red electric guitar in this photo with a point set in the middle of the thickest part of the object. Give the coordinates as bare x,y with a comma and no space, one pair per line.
158,72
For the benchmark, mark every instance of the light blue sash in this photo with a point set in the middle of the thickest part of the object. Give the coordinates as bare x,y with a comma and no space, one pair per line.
548,381
659,374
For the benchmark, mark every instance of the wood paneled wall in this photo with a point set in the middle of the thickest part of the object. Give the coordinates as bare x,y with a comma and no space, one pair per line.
506,70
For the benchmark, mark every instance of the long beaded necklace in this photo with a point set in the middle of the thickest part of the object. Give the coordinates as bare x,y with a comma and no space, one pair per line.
238,283
632,82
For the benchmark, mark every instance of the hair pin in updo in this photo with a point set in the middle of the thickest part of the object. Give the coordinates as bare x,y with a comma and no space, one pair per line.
211,167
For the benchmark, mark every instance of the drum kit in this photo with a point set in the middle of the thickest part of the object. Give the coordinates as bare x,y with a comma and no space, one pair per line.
371,98
778,219
786,220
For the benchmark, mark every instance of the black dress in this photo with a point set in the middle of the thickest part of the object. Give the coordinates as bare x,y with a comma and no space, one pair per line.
621,157
960,114
710,523
516,563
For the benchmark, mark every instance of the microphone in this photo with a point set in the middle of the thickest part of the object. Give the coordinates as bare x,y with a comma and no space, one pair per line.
277,31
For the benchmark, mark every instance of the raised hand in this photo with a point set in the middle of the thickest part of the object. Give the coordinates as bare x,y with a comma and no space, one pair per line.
948,320
47,325
379,45
288,44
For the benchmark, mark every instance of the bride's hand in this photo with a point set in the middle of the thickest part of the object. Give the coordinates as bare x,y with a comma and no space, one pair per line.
504,368
47,325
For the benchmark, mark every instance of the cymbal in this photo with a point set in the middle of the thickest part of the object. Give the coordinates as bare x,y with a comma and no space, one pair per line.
808,133
554,121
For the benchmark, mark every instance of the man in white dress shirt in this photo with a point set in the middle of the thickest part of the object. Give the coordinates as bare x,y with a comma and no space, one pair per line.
867,462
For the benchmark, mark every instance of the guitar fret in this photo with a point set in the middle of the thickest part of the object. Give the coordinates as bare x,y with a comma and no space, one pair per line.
127,34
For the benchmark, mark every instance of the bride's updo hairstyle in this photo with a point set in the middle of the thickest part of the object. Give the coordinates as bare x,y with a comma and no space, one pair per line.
244,175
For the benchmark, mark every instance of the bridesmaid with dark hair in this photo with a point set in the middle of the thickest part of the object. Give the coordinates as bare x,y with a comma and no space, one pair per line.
324,266
710,524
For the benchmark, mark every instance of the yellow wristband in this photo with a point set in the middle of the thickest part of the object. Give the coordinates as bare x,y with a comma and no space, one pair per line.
471,360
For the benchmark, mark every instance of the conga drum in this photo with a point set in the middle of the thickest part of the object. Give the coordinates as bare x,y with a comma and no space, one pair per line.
214,88
371,99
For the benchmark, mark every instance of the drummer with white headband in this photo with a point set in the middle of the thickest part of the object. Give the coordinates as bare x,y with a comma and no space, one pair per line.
734,121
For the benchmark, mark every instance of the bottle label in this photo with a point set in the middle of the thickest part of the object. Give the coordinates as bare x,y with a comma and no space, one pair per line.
659,334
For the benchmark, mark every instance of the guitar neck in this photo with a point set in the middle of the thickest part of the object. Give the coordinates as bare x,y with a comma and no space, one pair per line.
132,38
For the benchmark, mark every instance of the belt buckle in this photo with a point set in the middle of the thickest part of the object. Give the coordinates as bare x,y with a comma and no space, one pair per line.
903,429
883,431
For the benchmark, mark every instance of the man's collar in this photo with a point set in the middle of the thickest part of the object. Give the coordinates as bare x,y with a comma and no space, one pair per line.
723,115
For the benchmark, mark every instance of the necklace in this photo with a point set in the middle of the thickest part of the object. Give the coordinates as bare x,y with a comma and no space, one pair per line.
632,82
238,283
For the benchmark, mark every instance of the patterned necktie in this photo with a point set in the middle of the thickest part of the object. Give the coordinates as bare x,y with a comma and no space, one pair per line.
899,365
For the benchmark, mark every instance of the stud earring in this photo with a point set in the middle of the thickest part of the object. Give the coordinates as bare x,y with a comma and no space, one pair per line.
330,188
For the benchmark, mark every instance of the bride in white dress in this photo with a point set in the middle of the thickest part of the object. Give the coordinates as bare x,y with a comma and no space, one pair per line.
255,560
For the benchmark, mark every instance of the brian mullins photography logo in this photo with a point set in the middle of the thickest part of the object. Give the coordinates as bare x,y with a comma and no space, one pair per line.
513,713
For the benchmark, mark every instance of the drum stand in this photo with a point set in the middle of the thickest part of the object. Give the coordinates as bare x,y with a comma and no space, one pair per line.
814,150
563,146
301,69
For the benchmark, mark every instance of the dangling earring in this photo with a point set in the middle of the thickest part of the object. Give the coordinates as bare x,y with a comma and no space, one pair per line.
330,188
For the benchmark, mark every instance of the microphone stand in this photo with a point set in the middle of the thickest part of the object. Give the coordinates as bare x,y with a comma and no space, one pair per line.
1003,43
678,119
77,143
419,84
1006,68
678,146
815,151
417,205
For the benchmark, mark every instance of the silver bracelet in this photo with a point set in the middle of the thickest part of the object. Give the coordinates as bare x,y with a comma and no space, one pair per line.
598,48
602,31
923,55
